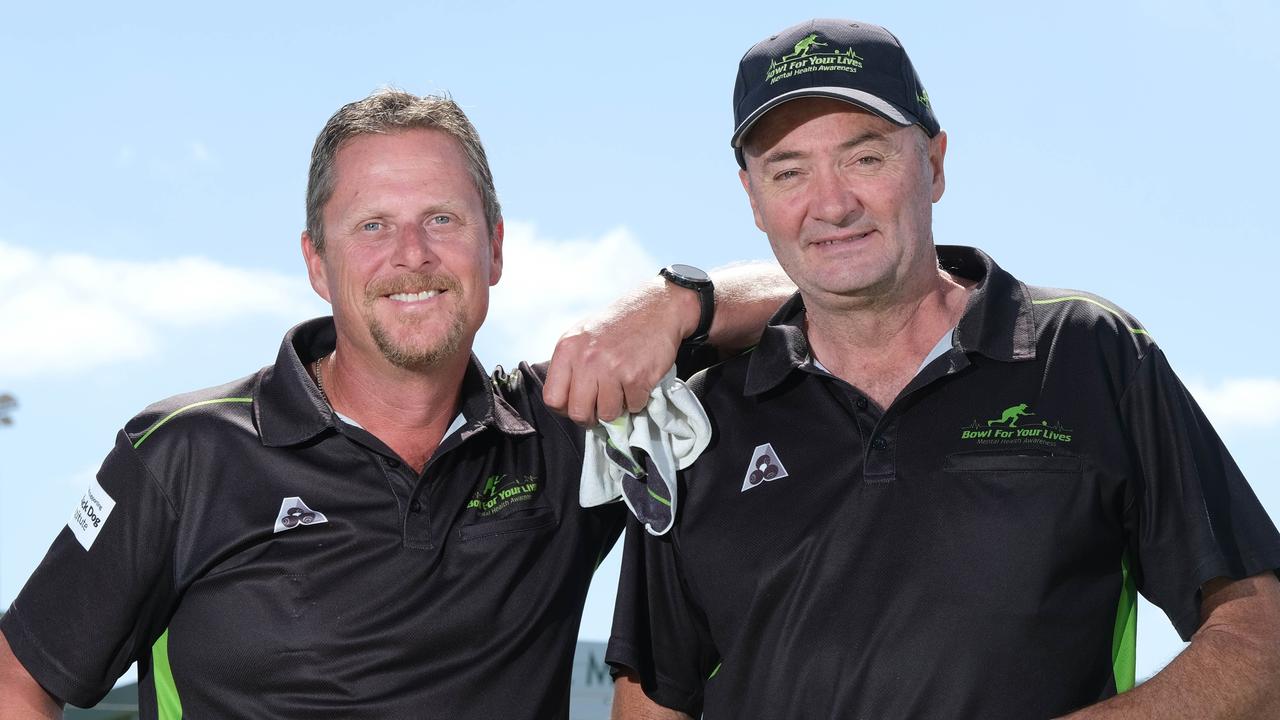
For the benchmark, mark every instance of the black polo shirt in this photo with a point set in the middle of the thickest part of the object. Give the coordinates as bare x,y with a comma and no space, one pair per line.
972,551
261,558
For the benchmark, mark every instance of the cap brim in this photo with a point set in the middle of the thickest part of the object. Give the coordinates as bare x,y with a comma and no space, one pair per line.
864,100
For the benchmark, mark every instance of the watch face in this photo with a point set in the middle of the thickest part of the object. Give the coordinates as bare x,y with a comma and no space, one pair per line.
689,272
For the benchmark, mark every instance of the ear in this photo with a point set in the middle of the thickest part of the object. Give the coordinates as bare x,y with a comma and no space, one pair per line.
316,270
495,263
755,210
937,152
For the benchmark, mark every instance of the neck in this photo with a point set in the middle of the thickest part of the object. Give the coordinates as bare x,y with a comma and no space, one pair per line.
878,345
408,409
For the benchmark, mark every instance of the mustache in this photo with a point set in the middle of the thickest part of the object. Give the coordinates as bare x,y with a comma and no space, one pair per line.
412,283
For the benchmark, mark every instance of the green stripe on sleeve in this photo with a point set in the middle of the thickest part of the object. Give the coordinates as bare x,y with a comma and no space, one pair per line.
168,704
1124,637
1081,298
181,410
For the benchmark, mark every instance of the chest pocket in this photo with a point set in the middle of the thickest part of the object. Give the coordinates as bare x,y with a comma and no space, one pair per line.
1001,463
506,505
535,518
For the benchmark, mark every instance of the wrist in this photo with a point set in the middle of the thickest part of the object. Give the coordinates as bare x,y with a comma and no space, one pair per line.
693,290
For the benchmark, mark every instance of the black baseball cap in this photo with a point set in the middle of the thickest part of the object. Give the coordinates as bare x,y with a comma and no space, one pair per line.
847,60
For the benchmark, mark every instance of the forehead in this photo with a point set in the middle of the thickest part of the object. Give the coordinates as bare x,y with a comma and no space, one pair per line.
801,117
406,157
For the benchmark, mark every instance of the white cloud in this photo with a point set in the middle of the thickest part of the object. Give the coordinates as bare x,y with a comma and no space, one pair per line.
1240,402
548,284
200,153
125,156
65,312
70,312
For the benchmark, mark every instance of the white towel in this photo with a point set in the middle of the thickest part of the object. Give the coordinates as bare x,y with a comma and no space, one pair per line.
624,455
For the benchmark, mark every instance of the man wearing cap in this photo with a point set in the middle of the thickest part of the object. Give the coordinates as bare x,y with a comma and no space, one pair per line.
374,526
933,491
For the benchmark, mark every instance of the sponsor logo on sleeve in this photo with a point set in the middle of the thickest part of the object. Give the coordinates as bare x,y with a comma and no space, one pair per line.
91,514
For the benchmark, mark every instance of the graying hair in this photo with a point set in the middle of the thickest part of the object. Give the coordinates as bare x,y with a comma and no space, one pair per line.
389,111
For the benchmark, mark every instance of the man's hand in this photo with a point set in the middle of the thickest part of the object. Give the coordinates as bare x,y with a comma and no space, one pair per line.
1231,669
608,363
21,697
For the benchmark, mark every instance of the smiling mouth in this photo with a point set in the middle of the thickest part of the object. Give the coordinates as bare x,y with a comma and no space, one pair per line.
840,240
414,297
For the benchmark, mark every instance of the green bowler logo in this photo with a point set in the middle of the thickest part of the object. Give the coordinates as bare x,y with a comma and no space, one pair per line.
803,59
1016,425
501,492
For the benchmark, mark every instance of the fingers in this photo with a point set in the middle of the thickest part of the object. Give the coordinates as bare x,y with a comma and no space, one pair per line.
601,370
605,403
587,388
637,395
555,391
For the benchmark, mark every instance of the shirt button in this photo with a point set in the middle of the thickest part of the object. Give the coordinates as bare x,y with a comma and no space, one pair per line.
879,444
391,462
861,402
415,506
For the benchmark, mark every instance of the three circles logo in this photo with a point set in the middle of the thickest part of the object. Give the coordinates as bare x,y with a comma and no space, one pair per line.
295,513
765,467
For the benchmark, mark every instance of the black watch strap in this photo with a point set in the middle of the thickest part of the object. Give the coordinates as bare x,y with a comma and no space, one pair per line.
698,281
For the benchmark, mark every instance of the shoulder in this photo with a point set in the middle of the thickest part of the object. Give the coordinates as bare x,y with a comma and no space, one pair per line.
1078,316
202,414
729,376
520,389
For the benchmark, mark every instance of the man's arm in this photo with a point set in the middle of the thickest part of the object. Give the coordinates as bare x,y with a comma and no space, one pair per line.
1231,669
630,702
608,363
21,697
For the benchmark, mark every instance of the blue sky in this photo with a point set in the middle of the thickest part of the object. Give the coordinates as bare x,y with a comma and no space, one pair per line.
154,161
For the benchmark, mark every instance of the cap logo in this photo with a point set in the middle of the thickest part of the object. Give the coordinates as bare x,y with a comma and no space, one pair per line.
801,60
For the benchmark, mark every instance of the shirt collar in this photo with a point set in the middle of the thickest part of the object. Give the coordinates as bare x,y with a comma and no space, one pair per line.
997,321
290,409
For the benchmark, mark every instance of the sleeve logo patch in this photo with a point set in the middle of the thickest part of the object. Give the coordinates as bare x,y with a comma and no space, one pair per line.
91,514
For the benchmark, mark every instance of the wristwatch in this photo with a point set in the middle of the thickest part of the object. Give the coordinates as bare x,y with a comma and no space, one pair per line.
688,276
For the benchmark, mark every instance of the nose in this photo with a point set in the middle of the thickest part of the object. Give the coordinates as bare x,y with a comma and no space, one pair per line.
413,248
834,199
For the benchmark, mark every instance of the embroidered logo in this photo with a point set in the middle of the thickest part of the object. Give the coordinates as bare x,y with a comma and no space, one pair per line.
765,467
501,491
1016,425
294,512
802,60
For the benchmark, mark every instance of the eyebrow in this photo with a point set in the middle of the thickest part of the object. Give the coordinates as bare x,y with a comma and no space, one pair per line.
786,155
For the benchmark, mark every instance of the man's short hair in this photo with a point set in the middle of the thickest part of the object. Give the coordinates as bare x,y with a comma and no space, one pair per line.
389,111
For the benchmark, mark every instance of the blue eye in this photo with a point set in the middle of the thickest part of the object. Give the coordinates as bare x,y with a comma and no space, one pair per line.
440,220
371,226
